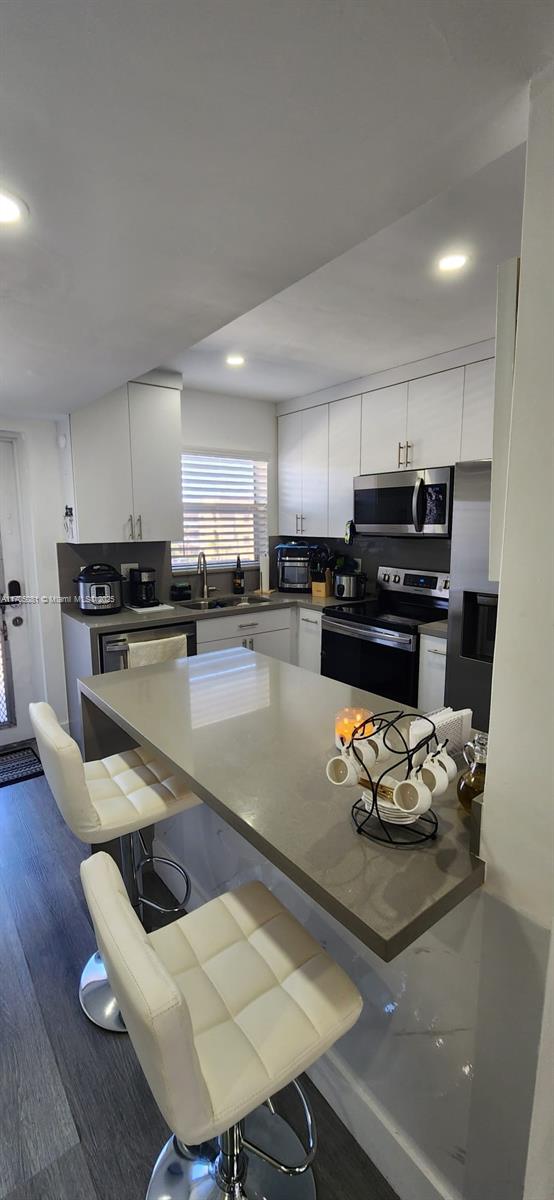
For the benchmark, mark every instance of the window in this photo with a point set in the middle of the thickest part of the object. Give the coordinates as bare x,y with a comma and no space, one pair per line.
224,511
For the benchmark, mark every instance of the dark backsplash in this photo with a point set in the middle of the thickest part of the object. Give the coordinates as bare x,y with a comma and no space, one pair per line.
74,555
425,554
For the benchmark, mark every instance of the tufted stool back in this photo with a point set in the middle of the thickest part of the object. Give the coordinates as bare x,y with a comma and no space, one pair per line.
154,1008
63,766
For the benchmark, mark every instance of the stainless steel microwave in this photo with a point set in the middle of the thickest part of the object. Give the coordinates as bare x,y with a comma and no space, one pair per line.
405,503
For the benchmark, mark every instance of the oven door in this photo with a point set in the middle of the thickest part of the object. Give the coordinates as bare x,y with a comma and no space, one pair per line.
405,503
376,660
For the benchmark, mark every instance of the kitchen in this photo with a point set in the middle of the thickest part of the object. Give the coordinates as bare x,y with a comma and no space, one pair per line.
249,536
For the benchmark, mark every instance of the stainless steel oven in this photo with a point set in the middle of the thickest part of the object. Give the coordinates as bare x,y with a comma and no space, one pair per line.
384,661
405,503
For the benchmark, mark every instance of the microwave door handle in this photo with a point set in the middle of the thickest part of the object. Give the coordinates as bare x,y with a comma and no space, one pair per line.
417,520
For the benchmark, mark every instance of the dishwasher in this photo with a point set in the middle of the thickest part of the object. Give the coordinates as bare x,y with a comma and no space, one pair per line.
114,647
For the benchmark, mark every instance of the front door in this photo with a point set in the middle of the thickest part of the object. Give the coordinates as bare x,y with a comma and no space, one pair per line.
15,646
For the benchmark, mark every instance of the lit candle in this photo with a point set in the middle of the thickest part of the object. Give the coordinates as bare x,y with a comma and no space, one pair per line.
349,719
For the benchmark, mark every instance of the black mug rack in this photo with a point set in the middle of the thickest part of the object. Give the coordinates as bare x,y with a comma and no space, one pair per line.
370,822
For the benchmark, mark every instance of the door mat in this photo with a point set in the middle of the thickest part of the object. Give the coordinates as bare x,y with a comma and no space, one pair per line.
18,765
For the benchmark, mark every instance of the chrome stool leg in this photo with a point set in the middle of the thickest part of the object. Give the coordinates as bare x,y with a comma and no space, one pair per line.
237,1168
97,999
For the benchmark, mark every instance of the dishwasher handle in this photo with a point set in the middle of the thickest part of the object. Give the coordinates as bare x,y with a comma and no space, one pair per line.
118,646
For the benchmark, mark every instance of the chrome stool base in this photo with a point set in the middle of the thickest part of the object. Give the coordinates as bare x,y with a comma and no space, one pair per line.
97,999
178,1177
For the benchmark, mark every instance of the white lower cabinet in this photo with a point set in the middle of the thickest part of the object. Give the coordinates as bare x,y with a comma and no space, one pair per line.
219,644
309,640
275,642
267,632
432,672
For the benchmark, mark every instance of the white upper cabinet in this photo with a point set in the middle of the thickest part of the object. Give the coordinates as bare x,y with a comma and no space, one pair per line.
315,471
304,472
155,431
478,411
384,415
434,428
102,469
290,473
344,461
126,451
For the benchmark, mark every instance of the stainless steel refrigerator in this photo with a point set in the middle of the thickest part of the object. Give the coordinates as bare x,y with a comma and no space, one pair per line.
473,597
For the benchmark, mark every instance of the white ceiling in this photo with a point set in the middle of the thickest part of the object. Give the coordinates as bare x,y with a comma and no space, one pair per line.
381,304
185,160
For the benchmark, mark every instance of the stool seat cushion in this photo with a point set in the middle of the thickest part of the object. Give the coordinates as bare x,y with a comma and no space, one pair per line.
134,789
265,1000
225,1006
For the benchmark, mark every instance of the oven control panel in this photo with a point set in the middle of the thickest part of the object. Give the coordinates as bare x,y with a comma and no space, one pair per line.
416,582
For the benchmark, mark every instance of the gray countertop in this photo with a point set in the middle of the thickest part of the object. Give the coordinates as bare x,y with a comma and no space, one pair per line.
435,629
253,736
150,617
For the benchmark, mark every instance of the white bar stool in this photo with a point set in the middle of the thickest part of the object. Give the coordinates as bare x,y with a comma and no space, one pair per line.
224,1007
109,798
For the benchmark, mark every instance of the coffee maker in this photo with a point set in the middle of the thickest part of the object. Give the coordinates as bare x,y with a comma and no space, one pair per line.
142,587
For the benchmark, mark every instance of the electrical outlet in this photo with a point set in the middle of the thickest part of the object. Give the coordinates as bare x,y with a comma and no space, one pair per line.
125,568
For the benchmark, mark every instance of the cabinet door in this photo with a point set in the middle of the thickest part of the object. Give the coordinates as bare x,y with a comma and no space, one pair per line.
344,460
102,469
289,432
315,471
155,424
435,419
478,411
384,429
309,640
220,644
275,642
432,673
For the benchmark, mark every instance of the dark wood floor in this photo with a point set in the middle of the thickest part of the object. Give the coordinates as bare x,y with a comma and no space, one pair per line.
77,1121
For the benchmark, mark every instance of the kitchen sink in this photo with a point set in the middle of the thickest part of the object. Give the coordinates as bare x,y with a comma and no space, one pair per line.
223,602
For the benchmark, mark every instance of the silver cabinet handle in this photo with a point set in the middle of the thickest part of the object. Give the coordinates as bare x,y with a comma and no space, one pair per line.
399,460
301,522
409,446
249,625
131,537
250,643
431,650
309,620
139,527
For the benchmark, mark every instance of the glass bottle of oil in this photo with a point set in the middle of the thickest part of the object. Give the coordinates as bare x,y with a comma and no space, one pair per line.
472,782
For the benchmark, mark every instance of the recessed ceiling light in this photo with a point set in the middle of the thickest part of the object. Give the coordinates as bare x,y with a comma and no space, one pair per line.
11,209
235,360
452,262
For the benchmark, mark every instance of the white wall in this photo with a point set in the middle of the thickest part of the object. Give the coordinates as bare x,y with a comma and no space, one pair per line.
518,813
212,421
42,527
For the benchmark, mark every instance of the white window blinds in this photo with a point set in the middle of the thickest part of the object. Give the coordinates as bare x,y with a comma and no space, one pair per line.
224,510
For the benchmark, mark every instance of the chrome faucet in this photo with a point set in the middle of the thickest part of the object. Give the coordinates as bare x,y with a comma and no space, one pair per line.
202,569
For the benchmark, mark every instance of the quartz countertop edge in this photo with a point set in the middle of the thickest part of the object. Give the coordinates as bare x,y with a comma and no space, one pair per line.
150,617
386,897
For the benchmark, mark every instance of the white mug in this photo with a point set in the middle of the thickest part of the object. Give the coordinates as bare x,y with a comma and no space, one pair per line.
445,760
433,776
343,770
412,796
